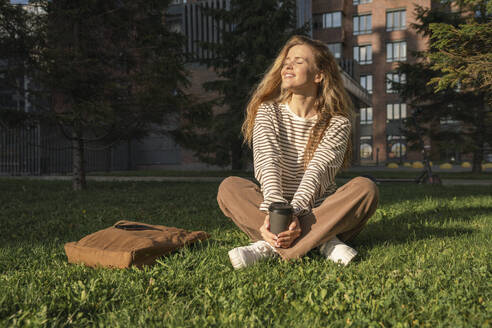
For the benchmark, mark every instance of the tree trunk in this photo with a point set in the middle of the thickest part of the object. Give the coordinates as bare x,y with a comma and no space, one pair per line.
78,165
78,181
129,164
237,155
479,141
478,154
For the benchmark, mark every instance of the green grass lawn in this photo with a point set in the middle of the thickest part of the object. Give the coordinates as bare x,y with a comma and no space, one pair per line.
424,260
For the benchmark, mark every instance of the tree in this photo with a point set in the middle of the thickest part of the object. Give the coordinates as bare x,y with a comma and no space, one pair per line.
440,94
103,71
463,53
252,33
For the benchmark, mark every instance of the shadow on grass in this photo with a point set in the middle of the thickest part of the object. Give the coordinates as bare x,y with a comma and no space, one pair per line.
413,226
41,213
48,232
414,192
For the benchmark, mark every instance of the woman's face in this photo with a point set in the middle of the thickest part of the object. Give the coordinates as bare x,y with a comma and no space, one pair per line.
298,72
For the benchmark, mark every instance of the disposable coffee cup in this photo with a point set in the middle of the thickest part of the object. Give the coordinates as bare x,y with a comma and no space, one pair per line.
280,216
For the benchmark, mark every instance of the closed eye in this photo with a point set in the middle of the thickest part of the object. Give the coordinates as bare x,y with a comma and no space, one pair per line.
296,62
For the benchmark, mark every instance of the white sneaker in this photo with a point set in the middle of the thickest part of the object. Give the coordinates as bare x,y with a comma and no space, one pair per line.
337,251
242,257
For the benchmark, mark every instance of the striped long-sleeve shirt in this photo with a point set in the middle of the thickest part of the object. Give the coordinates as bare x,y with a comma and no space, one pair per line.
279,141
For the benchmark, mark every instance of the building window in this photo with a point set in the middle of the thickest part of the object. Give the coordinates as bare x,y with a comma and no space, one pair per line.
359,2
394,77
366,115
366,147
396,147
362,24
335,49
395,20
331,20
396,112
448,120
366,82
176,27
396,51
363,54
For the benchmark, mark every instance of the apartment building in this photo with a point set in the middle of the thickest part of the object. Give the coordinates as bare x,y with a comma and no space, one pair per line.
378,35
187,17
368,38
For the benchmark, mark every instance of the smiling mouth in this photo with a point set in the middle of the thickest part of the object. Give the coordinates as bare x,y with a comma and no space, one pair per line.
288,76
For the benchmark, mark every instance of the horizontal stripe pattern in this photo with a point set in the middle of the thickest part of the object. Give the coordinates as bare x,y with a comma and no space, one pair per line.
279,142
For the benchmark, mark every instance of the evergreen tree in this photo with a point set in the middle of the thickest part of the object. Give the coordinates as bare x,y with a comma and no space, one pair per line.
104,71
252,32
463,52
451,99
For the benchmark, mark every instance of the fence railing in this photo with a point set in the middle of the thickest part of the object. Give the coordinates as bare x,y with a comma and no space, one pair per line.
42,150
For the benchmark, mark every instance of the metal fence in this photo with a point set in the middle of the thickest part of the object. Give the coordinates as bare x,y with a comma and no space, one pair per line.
43,150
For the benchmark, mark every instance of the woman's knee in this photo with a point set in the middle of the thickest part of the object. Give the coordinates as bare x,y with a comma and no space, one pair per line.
367,187
227,187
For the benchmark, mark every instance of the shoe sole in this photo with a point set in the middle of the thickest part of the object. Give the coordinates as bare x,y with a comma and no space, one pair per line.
236,260
353,253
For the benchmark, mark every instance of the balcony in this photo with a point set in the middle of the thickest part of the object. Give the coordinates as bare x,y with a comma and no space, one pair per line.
322,6
350,66
349,69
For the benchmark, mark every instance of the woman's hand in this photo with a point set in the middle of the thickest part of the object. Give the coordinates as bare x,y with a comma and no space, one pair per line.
266,234
286,238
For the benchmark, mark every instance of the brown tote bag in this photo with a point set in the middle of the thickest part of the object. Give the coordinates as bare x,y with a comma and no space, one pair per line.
129,243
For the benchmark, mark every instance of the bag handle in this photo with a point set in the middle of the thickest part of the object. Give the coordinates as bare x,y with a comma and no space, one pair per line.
134,227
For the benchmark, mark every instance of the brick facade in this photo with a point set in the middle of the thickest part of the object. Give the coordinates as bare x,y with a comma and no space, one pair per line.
187,18
377,38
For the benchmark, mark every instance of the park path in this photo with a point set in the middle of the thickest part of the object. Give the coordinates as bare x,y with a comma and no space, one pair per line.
445,182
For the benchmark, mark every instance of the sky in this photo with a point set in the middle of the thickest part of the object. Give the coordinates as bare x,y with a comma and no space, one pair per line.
18,1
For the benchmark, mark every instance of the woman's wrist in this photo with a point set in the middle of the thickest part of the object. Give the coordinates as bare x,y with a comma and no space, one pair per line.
297,210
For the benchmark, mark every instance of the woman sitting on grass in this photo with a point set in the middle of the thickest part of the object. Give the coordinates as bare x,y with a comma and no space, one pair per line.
299,125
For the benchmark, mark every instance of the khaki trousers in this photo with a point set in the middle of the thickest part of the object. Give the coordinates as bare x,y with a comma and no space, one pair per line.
342,214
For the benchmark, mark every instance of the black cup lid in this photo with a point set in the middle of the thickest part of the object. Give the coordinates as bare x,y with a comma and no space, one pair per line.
281,208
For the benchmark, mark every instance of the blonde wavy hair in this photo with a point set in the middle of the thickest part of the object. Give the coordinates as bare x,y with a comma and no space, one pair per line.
332,99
